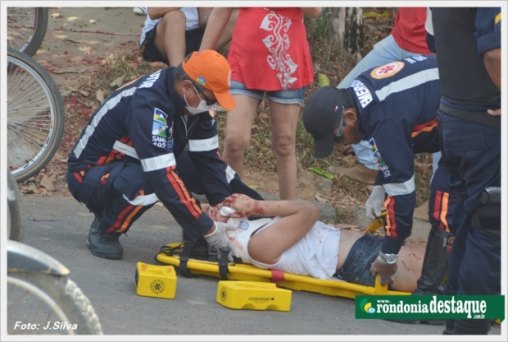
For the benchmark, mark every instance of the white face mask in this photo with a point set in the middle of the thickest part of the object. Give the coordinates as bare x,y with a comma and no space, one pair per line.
201,107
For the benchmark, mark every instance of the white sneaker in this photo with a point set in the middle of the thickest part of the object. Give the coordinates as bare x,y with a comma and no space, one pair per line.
139,10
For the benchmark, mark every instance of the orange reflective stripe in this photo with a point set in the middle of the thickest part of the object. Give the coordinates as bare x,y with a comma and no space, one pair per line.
391,222
127,222
444,211
440,209
423,128
436,208
78,176
120,219
182,193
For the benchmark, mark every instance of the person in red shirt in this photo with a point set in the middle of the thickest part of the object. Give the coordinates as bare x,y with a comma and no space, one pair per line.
269,56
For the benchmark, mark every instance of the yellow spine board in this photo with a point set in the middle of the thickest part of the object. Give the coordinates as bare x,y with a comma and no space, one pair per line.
329,287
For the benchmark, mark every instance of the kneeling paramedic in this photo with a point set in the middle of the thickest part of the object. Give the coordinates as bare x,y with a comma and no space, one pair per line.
394,108
155,139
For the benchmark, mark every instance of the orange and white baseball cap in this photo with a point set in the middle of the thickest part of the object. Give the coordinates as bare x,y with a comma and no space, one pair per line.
211,70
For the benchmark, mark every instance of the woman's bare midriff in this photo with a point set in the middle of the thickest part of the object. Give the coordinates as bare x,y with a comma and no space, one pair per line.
347,238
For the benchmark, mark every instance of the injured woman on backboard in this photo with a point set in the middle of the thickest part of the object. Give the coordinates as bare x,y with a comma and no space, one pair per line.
289,237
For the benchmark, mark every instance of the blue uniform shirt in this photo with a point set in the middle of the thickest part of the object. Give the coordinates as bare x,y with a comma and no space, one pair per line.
397,105
144,122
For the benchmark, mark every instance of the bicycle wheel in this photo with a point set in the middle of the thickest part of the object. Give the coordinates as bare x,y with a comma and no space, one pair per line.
26,28
35,115
16,230
47,304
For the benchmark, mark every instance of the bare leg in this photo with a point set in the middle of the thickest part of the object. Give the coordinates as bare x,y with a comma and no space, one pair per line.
238,131
204,13
409,267
284,118
170,37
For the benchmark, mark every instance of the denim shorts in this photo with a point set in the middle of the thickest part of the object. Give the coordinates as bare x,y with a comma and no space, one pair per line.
293,96
356,268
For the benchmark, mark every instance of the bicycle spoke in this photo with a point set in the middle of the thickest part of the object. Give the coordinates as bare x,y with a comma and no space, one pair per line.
35,116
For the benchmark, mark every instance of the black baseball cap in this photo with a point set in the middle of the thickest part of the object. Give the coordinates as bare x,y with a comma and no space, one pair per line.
322,114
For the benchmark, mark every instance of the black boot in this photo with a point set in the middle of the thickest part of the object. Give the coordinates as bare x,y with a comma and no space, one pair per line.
468,327
449,327
435,267
199,248
435,263
102,244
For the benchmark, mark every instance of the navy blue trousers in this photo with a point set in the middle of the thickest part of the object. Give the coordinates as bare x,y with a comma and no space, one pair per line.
104,189
473,155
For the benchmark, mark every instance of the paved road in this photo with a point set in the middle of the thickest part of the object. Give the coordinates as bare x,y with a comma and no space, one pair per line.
59,225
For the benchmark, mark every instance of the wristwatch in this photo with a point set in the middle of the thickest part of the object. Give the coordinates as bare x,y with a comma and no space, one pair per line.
390,259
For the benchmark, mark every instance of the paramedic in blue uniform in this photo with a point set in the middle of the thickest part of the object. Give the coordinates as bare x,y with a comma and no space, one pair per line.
393,107
467,42
155,139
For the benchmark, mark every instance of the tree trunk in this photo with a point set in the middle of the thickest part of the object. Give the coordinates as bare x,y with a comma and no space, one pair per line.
347,27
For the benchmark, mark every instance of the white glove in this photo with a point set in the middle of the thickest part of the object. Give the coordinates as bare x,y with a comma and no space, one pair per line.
219,239
374,204
385,271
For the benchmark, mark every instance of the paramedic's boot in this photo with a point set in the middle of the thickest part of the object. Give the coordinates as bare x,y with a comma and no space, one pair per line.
435,263
467,327
104,245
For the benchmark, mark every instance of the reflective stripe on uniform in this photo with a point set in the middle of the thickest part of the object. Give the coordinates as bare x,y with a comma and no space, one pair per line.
408,82
125,149
90,129
143,200
396,189
230,174
159,162
204,145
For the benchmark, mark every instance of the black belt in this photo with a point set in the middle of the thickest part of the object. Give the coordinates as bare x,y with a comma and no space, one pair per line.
481,118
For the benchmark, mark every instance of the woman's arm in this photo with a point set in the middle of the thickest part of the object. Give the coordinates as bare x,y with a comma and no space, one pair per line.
158,12
217,21
296,219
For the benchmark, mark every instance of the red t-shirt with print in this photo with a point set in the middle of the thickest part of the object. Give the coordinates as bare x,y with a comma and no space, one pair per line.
269,49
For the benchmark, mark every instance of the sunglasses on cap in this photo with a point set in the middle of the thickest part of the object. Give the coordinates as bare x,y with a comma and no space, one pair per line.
339,131
201,94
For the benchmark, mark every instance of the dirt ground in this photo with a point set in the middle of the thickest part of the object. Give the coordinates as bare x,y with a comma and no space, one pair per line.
79,39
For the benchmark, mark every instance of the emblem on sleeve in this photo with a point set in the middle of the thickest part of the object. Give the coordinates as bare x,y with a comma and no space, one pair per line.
387,70
159,128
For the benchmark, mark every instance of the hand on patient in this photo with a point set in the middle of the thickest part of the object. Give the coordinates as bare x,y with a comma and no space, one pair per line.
384,269
219,239
243,205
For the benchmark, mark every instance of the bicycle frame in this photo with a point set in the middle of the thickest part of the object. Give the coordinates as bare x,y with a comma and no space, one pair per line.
21,257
